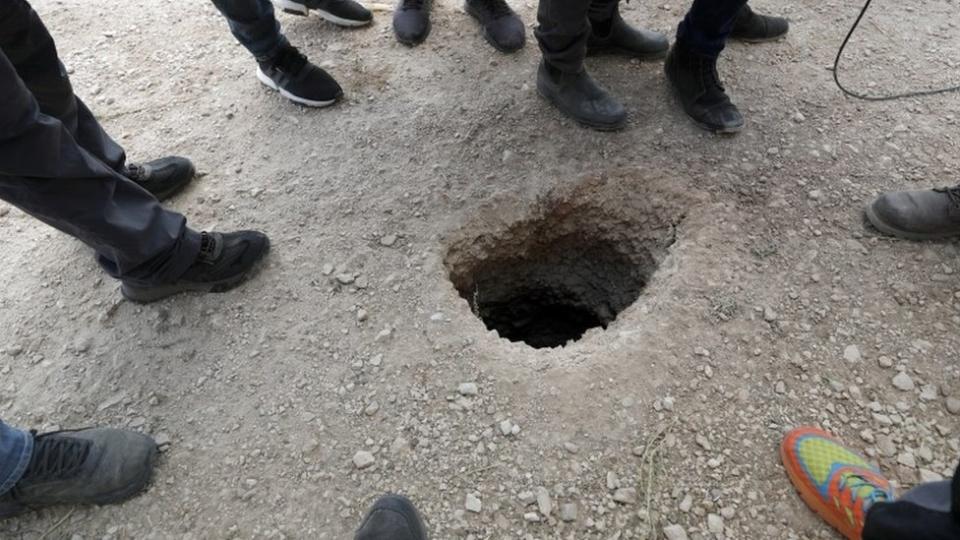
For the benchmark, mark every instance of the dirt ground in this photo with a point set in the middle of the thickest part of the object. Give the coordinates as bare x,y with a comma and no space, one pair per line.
774,307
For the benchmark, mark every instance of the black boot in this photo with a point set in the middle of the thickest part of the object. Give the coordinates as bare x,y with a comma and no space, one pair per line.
578,96
90,466
502,27
696,84
615,36
411,21
162,177
340,12
392,517
225,261
754,28
917,215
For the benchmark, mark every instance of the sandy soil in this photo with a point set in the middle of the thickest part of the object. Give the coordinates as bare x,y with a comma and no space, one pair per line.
774,307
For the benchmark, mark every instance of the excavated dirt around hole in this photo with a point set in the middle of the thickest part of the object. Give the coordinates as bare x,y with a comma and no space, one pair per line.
574,264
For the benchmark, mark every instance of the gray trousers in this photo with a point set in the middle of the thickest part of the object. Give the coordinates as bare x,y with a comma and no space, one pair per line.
58,165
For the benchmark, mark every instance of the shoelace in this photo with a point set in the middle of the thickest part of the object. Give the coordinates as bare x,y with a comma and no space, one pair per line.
208,247
952,192
854,482
498,8
411,4
134,172
56,457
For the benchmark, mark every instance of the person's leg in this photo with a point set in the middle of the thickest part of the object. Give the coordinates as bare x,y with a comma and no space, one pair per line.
15,449
254,25
562,33
929,511
707,25
610,34
46,173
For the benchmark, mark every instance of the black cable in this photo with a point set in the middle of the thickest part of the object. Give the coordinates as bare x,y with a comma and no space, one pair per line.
865,97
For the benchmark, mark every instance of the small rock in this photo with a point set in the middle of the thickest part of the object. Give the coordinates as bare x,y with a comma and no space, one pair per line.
686,504
532,517
852,353
363,459
372,408
770,315
544,503
715,523
907,460
527,498
903,382
613,482
388,240
568,512
675,532
953,405
926,475
346,279
625,495
885,362
467,389
473,503
570,447
506,427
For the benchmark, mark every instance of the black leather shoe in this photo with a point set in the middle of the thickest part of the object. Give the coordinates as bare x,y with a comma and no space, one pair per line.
392,517
90,466
615,36
696,84
502,27
163,177
340,12
290,73
917,215
224,262
755,28
578,96
411,21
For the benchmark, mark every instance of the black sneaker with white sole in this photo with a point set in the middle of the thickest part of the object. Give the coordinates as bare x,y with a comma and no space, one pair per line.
224,262
290,73
339,12
162,177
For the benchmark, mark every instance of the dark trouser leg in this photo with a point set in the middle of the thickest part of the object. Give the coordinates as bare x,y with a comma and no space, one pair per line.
254,25
602,10
927,512
15,449
707,25
562,33
45,172
30,48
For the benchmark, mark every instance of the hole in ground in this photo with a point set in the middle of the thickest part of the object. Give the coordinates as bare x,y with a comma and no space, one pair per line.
548,279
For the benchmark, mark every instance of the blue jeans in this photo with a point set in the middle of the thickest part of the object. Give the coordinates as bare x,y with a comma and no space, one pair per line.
708,24
15,449
253,24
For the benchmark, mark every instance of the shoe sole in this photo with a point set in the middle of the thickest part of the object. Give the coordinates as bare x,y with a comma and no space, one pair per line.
296,8
147,295
113,497
173,190
414,42
585,123
812,499
486,35
268,82
890,230
759,40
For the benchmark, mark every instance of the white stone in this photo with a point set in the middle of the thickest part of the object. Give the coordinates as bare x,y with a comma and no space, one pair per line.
468,389
852,353
473,503
715,523
363,459
544,503
903,382
675,532
625,495
568,512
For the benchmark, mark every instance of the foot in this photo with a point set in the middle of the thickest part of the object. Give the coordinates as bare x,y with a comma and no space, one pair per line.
917,215
754,28
90,466
290,73
163,177
834,481
224,262
615,36
339,12
502,27
411,21
697,85
578,96
392,517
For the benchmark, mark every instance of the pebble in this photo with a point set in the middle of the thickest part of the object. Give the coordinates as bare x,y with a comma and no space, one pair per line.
506,427
613,482
568,512
625,495
372,408
715,523
885,362
473,503
852,353
570,447
363,459
675,532
903,382
686,504
926,475
388,240
886,446
770,315
544,503
907,460
532,517
928,392
953,405
815,194
162,440
467,389
346,279
527,498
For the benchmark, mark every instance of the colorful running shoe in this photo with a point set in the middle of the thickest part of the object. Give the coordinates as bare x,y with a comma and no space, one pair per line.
834,481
